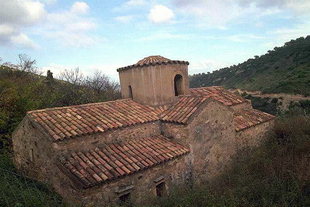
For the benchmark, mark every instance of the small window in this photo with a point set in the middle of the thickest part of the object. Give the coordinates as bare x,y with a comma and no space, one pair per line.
124,200
160,189
178,82
130,92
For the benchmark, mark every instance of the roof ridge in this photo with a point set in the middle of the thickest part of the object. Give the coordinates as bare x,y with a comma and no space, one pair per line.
79,105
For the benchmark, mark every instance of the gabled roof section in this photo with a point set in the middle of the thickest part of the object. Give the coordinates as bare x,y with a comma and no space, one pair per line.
218,93
244,119
153,60
66,122
181,111
114,161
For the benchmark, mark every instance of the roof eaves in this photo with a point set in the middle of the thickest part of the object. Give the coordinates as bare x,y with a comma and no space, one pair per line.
152,64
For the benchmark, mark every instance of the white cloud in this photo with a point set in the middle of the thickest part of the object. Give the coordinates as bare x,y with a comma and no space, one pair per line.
23,40
80,7
160,14
135,3
16,15
71,27
48,2
244,37
21,12
219,13
124,19
130,4
279,36
164,36
6,30
300,6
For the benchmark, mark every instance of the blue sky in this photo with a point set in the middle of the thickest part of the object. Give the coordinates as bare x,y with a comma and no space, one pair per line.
104,35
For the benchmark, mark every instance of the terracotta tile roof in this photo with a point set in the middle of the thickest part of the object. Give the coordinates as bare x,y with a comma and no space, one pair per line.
183,109
117,160
153,60
247,118
160,109
66,122
218,93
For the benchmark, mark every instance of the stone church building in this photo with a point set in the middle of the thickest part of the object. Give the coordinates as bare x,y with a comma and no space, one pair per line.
161,134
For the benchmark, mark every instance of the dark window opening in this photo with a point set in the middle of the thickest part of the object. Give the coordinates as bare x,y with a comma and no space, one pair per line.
161,189
130,92
124,199
178,79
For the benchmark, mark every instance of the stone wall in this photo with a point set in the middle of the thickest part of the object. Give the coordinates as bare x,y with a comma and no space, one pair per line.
32,150
253,136
210,136
141,185
122,134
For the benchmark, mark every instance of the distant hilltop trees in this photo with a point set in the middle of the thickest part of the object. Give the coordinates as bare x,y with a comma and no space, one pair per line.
284,69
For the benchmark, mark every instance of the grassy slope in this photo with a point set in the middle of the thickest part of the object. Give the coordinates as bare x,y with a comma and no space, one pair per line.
284,69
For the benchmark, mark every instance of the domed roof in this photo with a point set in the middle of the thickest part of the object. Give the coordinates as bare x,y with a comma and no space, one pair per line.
151,61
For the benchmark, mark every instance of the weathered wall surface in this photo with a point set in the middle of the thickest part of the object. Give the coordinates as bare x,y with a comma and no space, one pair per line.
32,151
153,85
253,136
117,135
211,138
142,184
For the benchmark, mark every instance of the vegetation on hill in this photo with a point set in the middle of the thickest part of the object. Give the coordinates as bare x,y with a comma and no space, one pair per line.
284,69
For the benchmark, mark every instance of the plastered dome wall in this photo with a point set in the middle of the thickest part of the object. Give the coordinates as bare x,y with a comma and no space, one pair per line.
154,80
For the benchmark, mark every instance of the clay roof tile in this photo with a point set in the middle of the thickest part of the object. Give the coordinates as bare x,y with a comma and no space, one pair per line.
107,163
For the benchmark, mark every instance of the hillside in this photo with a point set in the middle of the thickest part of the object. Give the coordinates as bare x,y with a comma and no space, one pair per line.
284,69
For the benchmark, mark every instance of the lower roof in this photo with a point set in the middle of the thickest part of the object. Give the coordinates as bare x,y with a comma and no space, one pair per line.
116,160
218,93
247,118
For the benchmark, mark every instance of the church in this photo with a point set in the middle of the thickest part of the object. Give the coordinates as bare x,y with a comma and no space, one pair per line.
160,135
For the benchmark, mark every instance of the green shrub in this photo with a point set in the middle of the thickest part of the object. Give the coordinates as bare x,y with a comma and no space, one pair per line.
17,190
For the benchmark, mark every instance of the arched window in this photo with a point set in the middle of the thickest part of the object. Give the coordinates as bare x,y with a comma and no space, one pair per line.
178,90
130,91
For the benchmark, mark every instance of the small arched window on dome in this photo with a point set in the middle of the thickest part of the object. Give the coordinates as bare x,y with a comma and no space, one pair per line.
130,91
178,82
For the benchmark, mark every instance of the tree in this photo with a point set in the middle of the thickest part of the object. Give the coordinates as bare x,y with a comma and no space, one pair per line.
97,82
73,76
26,64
